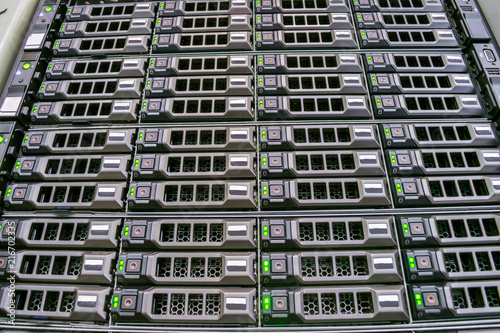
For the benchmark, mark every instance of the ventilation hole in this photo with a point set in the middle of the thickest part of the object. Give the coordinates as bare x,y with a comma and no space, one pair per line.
163,267
308,266
167,232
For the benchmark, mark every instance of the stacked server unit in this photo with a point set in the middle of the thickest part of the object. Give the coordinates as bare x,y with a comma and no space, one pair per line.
271,164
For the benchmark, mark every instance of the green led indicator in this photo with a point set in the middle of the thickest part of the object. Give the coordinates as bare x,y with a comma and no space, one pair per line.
1,139
26,66
411,260
260,80
48,9
144,105
136,163
265,230
369,58
261,103
140,136
63,26
264,190
374,79
258,2
125,231
26,138
263,134
161,5
258,18
393,158
115,301
405,228
378,102
258,36
57,44
152,63
50,66
266,265
18,164
155,39
266,303
387,132
363,34
260,60
158,22
131,194
418,298
149,83
69,10
398,186
43,87
8,192
264,160
359,17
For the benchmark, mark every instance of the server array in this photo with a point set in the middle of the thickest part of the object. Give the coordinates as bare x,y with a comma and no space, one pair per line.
271,163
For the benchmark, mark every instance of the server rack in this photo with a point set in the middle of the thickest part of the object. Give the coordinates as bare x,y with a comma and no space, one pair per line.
272,164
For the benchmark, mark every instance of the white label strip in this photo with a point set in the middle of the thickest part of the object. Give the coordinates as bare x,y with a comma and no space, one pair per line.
367,157
239,132
238,188
483,128
94,262
111,161
383,261
107,189
131,61
121,104
388,298
237,228
236,300
377,226
373,185
239,263
100,227
84,298
238,159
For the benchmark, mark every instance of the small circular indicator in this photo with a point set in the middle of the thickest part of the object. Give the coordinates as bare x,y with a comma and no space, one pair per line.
26,65
280,304
278,266
137,231
48,9
431,299
128,302
1,139
132,265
